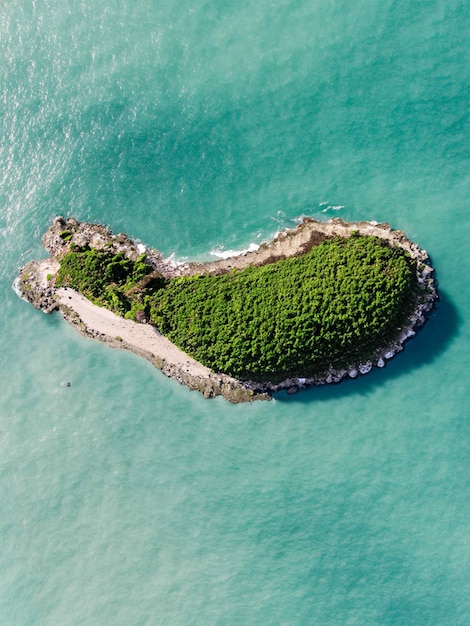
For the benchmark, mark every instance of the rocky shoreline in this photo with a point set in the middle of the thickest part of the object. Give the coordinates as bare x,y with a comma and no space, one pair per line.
35,284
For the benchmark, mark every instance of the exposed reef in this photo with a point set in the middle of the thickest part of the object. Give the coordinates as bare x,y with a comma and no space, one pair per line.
35,284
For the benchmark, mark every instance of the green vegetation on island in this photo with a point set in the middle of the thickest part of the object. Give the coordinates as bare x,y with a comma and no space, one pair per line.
338,304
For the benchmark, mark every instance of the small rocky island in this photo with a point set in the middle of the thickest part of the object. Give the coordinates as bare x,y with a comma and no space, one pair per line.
320,303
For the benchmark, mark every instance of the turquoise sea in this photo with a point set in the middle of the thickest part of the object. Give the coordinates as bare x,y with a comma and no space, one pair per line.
126,499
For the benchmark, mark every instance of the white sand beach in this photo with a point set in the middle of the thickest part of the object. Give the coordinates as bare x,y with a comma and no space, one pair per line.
100,321
140,337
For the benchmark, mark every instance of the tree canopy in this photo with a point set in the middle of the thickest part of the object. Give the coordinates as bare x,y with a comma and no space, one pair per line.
337,304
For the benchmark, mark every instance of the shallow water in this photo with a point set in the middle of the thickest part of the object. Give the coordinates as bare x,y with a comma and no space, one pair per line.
127,499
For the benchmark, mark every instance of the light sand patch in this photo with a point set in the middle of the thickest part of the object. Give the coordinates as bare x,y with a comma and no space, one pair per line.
141,337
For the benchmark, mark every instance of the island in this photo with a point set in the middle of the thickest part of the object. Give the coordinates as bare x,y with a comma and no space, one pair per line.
320,303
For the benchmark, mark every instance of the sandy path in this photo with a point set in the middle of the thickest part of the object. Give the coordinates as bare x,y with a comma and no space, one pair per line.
141,337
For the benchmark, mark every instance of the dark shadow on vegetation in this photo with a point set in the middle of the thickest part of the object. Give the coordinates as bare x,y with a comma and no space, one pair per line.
425,348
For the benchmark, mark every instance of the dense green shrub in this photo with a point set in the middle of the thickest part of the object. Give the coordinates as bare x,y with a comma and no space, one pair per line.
104,278
336,305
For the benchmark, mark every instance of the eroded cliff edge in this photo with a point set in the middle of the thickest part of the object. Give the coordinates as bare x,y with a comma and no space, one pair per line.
35,283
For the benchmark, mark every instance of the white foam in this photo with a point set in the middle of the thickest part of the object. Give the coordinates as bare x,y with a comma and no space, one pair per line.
173,261
333,207
226,254
16,288
280,217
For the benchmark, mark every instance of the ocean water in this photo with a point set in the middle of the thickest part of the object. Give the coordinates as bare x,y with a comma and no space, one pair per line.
196,126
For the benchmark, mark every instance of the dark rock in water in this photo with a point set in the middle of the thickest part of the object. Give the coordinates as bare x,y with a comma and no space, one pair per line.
141,317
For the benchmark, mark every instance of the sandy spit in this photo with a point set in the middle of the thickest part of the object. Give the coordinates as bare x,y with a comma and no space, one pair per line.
140,337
